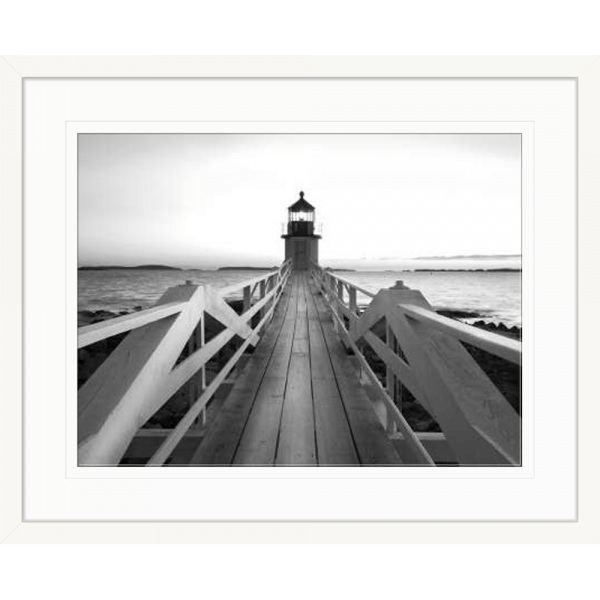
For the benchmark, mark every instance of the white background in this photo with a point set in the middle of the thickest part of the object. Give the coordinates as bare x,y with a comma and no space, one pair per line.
549,491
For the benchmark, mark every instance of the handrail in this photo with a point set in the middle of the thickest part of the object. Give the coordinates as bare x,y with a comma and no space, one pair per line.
493,343
234,287
352,285
170,443
140,375
423,351
90,334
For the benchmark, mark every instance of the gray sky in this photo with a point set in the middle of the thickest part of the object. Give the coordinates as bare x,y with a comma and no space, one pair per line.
209,200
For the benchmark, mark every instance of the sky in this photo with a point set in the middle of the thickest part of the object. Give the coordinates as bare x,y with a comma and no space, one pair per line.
212,200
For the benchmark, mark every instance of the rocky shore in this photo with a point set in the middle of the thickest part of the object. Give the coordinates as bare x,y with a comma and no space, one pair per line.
506,376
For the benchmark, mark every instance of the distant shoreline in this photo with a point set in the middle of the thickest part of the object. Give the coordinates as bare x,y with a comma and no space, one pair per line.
247,268
167,268
137,268
500,270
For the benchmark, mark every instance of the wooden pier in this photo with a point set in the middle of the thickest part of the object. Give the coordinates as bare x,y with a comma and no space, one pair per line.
298,400
306,395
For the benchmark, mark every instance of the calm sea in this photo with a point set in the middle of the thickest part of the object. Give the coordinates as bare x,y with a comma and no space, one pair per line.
495,296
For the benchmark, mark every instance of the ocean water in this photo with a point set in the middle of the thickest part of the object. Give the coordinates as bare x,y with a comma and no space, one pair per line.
116,289
495,296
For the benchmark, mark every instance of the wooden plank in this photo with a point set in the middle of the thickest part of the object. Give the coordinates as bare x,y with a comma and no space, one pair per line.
332,431
371,441
221,441
258,443
320,364
297,434
218,447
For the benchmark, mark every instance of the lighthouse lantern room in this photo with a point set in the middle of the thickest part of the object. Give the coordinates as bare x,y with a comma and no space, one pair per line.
301,241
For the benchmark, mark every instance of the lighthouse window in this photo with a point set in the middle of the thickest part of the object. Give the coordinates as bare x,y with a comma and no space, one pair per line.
301,216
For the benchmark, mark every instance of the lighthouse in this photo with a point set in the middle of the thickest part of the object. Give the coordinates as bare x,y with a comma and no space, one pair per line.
301,241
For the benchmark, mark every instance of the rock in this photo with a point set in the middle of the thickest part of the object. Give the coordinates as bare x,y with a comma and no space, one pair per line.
104,314
85,317
457,313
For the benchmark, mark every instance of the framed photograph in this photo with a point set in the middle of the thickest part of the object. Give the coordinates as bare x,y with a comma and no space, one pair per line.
286,360
357,280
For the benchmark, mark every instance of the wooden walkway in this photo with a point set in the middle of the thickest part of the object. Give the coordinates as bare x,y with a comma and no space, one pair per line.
298,401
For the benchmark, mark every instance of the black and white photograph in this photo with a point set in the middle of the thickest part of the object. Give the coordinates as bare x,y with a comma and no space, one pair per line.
299,300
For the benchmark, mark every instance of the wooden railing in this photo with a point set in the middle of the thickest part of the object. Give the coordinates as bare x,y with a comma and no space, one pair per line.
142,373
423,352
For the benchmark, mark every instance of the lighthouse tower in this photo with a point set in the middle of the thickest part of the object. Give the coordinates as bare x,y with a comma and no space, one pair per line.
301,241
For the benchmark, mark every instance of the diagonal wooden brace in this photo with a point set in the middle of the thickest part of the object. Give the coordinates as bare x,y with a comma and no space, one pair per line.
220,310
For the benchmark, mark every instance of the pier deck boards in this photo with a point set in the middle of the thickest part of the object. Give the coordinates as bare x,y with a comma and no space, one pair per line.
298,400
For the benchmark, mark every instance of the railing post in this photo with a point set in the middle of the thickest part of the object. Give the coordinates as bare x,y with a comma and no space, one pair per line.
263,292
197,383
352,300
247,300
390,378
271,285
203,369
339,294
191,348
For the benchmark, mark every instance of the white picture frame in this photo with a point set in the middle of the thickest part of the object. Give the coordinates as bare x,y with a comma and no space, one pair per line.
585,527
